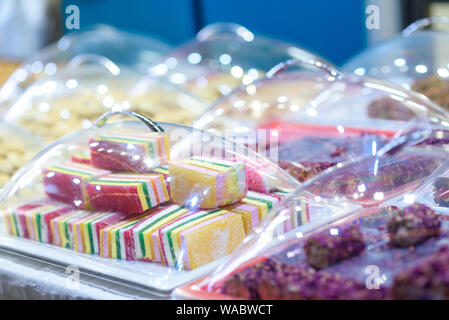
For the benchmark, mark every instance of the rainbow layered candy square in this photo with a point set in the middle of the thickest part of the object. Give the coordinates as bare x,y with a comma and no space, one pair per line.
127,192
144,236
129,152
207,183
66,182
199,238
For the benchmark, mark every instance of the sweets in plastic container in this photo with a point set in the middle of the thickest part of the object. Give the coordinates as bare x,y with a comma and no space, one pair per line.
74,97
122,48
299,119
370,239
117,204
416,59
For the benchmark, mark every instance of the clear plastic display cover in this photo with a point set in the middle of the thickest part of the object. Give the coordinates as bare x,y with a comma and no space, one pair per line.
311,121
417,59
222,57
88,87
156,204
18,147
123,48
394,248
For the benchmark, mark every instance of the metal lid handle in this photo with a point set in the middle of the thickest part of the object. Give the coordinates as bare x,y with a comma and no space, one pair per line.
325,67
93,58
222,28
101,121
420,24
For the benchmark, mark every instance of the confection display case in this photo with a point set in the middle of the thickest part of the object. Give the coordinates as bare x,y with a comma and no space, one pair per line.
303,116
380,238
151,203
416,59
91,85
123,48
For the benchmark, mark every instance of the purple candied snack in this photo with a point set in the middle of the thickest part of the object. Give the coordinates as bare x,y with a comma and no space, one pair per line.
317,285
413,225
428,280
252,282
334,245
386,108
243,284
272,280
305,170
441,191
394,172
437,138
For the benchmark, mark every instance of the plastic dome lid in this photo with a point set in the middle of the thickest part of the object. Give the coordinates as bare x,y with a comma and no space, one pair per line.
123,48
91,85
320,119
222,57
417,59
155,208
351,246
18,147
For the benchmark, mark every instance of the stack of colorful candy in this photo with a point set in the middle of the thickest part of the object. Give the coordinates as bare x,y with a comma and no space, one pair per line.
66,182
62,228
207,183
128,152
86,230
123,185
133,193
111,244
33,221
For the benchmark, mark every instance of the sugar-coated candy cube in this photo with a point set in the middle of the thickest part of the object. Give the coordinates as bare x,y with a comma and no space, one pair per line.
126,152
207,183
134,193
196,239
66,182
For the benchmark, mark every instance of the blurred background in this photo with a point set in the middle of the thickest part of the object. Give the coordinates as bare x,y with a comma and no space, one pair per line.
333,29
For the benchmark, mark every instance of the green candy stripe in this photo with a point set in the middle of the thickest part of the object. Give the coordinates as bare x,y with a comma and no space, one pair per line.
38,222
16,223
211,162
268,202
141,239
117,237
170,241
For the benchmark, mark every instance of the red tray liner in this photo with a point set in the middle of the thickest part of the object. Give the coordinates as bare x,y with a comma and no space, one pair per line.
289,131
